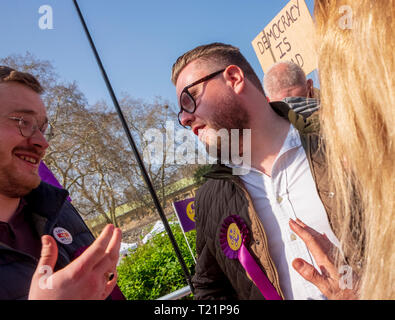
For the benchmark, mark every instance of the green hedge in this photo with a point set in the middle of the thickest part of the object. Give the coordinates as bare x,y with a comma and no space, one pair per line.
153,270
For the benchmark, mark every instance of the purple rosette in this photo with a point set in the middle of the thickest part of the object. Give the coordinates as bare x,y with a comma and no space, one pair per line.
234,237
223,238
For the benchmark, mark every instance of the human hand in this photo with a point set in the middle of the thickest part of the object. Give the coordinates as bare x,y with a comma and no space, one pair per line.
85,278
329,281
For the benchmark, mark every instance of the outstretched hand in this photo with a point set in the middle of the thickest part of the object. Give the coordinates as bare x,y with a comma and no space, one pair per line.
91,276
329,281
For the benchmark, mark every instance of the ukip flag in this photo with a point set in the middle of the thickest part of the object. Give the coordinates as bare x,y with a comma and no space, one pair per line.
47,176
185,210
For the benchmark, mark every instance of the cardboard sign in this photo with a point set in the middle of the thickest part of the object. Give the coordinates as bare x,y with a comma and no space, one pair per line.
185,210
289,36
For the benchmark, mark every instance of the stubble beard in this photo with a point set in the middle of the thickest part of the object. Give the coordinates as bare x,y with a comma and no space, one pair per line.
228,114
16,185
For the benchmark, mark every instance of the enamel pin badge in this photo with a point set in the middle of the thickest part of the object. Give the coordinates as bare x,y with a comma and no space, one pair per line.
62,235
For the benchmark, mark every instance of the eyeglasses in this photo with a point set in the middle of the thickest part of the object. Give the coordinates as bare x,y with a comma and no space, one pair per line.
28,125
187,102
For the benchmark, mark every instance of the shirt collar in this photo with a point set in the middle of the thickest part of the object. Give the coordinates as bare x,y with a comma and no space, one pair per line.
18,212
291,141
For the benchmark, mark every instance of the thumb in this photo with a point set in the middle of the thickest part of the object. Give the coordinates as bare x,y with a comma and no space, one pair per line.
46,264
49,252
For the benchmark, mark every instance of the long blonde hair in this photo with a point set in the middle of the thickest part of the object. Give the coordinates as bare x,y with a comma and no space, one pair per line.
356,70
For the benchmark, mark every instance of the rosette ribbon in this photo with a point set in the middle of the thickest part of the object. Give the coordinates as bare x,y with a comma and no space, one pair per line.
234,237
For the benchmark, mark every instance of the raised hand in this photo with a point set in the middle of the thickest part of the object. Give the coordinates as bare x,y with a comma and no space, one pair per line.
91,276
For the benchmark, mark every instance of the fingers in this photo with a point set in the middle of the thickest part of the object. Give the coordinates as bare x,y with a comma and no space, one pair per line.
49,252
308,272
110,285
321,248
42,276
316,244
306,234
97,249
115,244
109,261
322,239
307,228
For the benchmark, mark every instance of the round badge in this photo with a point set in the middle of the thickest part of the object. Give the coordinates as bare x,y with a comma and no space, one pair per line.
234,237
62,235
191,210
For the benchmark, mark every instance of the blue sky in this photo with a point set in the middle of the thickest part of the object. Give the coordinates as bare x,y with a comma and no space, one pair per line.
138,41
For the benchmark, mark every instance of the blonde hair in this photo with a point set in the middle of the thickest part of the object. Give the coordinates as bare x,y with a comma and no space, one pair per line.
356,71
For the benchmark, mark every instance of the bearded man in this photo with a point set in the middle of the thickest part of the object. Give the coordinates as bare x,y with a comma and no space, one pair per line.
33,214
246,224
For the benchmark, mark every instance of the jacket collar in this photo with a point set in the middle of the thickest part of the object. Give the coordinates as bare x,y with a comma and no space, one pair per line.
283,109
304,125
46,200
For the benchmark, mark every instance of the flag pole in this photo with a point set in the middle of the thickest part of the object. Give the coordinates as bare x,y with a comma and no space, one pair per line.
136,153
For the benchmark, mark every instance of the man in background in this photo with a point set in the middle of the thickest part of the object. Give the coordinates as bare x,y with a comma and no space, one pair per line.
286,81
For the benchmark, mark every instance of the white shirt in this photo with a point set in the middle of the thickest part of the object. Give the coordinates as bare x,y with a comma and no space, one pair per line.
289,193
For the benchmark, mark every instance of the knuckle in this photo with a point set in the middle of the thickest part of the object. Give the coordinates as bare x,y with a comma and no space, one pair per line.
79,271
94,283
114,255
100,248
310,237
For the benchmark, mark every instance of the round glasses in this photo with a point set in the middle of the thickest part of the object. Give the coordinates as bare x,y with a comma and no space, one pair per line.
28,125
187,102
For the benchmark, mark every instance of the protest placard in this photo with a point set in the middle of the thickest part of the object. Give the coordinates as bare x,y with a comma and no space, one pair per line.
289,36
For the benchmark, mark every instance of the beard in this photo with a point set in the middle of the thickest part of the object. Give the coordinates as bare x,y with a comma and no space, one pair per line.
15,185
227,115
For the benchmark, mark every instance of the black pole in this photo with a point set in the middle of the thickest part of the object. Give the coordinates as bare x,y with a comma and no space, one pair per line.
136,153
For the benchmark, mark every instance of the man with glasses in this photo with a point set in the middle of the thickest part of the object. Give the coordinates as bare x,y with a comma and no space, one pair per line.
285,184
33,214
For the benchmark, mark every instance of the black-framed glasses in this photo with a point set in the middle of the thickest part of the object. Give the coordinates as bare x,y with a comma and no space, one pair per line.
28,125
187,102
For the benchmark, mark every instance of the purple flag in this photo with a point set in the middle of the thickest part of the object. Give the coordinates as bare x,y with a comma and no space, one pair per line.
185,210
47,176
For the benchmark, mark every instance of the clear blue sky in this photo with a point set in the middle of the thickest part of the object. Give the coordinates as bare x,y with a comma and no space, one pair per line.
138,41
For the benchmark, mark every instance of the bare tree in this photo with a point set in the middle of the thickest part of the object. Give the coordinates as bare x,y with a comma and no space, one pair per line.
89,152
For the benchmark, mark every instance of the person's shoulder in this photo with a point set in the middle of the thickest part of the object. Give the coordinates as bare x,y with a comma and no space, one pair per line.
46,199
71,219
